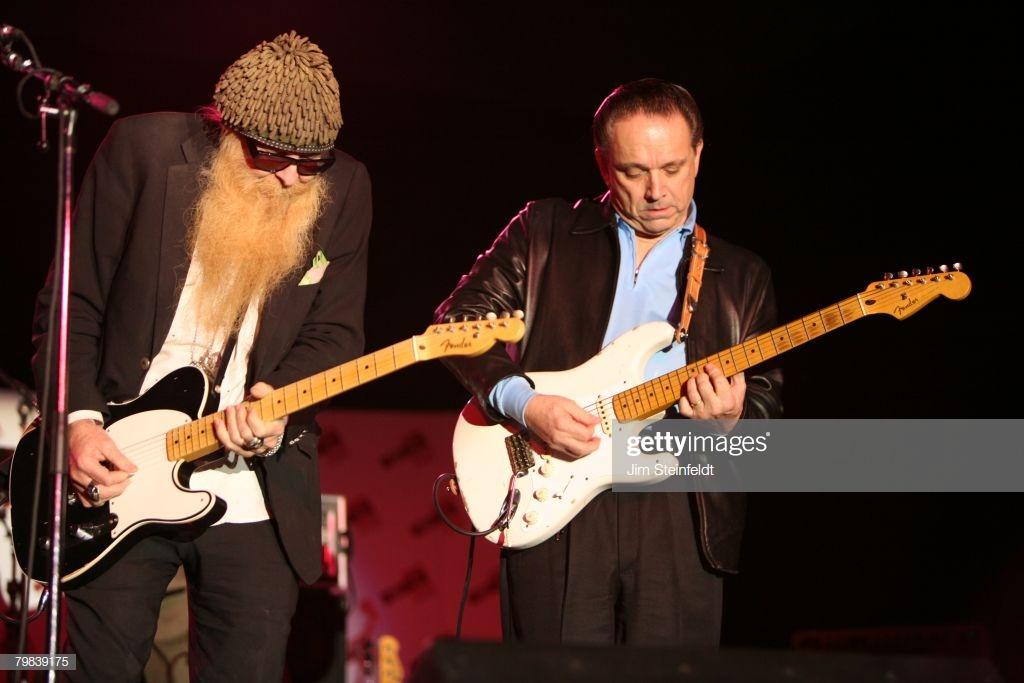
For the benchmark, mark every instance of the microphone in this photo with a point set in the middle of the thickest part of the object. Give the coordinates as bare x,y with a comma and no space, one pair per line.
83,92
53,80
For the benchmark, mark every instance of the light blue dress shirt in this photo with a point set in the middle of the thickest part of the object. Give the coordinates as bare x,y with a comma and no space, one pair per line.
642,295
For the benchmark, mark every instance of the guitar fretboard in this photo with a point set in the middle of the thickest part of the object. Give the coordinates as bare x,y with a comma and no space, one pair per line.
660,393
197,438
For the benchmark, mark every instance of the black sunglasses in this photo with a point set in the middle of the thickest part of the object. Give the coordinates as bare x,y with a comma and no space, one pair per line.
272,162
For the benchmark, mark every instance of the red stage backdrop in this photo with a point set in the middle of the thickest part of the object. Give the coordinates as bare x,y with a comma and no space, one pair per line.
407,567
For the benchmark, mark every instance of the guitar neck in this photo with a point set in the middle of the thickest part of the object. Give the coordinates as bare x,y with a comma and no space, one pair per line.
197,438
661,393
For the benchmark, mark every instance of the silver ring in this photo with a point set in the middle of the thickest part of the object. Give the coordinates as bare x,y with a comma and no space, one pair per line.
254,443
93,492
694,405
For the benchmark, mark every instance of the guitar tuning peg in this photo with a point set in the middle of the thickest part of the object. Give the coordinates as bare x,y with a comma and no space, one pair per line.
479,318
492,316
465,318
915,272
451,318
929,270
943,268
887,276
505,314
517,314
957,267
902,273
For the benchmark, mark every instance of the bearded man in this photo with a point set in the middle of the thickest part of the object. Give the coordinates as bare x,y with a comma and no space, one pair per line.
234,240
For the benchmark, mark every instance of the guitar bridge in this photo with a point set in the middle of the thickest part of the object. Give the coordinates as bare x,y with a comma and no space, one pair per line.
520,455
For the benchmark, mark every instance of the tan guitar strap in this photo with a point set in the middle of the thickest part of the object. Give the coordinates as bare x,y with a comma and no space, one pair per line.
694,278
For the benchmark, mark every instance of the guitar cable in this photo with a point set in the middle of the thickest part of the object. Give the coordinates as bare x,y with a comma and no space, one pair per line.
44,598
504,517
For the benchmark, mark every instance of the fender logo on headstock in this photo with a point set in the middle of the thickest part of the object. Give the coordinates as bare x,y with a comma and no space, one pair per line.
449,345
900,310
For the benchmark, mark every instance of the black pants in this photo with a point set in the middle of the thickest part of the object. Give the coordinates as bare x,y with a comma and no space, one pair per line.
242,594
626,570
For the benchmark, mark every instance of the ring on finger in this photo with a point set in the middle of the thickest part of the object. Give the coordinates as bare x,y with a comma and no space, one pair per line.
253,443
93,491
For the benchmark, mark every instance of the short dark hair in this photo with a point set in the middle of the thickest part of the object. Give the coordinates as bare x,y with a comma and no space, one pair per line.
652,96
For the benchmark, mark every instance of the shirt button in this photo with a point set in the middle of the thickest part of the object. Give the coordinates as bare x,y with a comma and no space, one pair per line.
144,363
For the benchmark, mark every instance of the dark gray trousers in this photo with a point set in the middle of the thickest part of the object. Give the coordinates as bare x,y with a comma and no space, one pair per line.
627,570
242,594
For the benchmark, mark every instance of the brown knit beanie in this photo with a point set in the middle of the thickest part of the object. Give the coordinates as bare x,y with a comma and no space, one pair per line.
282,93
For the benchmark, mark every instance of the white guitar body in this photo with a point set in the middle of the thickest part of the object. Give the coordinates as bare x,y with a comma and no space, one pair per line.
554,490
158,499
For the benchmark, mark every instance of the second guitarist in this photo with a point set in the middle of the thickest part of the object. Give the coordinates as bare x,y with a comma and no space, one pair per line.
644,569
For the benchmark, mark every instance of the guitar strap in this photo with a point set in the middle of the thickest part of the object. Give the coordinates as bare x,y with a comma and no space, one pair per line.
699,253
212,405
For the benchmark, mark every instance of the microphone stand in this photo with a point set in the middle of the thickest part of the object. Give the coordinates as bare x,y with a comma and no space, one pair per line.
62,93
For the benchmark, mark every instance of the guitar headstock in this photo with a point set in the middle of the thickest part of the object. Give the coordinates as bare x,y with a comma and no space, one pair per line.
903,294
469,337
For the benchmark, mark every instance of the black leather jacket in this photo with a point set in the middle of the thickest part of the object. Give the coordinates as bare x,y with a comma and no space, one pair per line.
558,263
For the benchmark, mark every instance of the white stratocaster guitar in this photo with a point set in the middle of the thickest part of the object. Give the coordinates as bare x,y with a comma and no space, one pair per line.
510,483
164,433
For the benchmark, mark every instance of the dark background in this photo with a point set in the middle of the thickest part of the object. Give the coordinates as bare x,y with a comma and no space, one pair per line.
839,144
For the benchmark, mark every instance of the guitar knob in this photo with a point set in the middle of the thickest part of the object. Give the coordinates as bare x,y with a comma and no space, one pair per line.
517,314
542,494
547,469
929,270
492,316
915,272
903,273
887,276
530,517
943,268
957,267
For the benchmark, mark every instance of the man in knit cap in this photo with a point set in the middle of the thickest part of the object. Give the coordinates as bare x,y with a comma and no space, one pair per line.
233,240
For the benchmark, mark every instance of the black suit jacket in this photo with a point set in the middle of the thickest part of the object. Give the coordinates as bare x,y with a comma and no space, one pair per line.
129,261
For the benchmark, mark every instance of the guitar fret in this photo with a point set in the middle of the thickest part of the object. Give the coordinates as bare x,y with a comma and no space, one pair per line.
280,404
291,401
349,375
832,317
318,385
367,369
303,389
750,348
332,381
816,328
384,362
797,334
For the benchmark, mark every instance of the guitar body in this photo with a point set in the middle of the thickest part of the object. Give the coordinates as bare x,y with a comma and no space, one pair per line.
158,500
552,490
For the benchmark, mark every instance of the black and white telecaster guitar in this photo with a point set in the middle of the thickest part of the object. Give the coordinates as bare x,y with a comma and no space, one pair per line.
163,433
542,493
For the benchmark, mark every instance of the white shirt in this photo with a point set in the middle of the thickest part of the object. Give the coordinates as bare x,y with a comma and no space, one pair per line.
185,345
